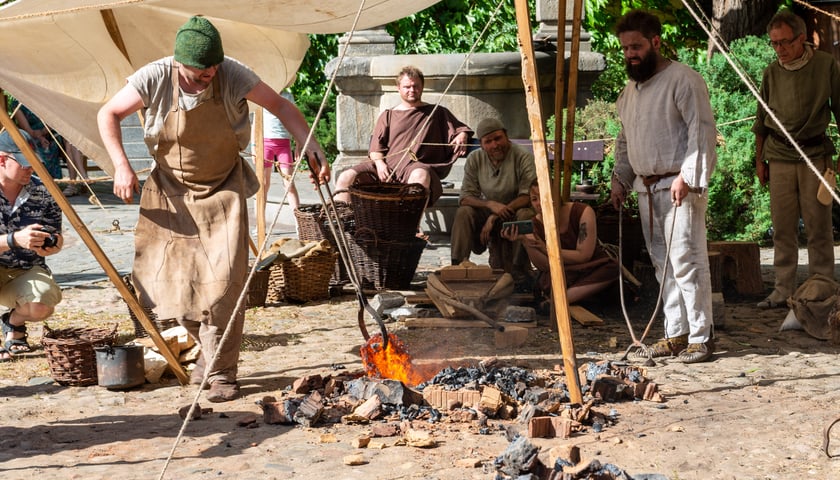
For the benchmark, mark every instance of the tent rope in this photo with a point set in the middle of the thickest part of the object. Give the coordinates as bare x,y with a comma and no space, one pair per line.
724,50
241,299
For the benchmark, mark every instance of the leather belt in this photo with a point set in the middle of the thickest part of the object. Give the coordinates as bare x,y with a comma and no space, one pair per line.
805,142
648,181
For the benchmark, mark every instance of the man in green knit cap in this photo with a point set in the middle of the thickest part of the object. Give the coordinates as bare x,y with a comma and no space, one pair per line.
191,250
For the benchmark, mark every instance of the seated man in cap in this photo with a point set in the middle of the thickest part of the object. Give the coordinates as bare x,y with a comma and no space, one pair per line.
497,178
31,223
191,240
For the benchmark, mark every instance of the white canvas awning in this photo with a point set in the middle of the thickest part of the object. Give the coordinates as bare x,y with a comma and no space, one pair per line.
65,58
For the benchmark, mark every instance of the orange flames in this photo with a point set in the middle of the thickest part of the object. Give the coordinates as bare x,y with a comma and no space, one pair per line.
393,362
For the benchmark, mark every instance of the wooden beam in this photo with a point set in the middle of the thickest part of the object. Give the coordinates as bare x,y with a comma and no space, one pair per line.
94,247
259,154
559,89
558,277
571,100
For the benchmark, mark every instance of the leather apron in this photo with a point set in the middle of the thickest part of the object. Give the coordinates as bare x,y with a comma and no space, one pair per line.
191,256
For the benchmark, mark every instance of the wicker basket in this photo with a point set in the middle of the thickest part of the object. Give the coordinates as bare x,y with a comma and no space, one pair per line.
139,329
302,279
258,288
391,210
313,226
70,353
385,264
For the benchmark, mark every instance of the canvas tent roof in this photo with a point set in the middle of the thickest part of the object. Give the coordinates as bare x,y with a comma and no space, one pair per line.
65,58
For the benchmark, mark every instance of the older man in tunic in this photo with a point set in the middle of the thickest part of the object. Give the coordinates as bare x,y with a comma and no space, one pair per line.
666,152
803,89
191,255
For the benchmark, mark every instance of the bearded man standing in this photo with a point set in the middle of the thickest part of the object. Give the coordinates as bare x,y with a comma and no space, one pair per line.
666,153
191,250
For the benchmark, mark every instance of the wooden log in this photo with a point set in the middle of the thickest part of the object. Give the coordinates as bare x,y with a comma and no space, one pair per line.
741,264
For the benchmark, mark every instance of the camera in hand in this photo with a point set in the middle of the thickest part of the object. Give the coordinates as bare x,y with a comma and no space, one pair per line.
50,241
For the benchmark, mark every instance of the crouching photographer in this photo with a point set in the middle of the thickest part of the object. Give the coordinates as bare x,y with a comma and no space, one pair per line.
30,225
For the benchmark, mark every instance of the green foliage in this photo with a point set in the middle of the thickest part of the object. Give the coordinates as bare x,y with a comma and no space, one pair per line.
739,206
454,26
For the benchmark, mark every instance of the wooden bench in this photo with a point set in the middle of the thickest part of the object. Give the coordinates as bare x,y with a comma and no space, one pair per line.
584,152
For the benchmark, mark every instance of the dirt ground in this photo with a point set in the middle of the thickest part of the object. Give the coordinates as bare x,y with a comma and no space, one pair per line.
757,411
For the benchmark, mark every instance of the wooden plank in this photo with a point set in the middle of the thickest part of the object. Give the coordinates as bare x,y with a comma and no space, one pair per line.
584,316
440,322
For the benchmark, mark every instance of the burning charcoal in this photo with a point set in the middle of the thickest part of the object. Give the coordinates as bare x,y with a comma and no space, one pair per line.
535,395
594,370
310,410
520,457
279,412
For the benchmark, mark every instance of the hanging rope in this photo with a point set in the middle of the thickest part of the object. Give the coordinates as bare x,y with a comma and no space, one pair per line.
724,50
241,299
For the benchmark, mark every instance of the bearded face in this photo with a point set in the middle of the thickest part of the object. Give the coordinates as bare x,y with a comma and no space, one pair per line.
641,67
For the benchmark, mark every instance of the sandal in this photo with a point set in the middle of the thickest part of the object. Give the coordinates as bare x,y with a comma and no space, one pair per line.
14,345
10,355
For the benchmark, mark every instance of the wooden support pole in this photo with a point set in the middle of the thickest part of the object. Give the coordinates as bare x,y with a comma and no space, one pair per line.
571,102
558,278
259,155
559,88
94,247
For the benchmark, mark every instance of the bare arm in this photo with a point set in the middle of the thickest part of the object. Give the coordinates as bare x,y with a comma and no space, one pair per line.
295,122
123,104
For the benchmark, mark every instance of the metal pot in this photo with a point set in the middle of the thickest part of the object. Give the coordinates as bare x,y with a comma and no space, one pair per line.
119,367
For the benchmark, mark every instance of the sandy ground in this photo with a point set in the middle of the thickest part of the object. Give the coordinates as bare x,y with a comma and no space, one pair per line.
757,411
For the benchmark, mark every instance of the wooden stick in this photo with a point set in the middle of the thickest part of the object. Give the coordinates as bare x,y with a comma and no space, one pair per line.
558,278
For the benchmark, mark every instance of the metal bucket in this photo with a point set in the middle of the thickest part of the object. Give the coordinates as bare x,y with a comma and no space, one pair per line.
120,366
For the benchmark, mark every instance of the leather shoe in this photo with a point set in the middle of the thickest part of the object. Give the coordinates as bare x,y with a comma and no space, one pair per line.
768,303
222,391
697,352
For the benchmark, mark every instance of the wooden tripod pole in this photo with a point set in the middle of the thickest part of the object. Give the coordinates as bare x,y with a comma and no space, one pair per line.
571,102
94,247
558,278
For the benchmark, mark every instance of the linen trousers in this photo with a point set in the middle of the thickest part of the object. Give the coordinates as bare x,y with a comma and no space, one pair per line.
793,195
684,271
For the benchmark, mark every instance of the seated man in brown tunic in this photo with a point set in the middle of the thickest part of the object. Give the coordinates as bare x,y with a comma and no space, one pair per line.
414,142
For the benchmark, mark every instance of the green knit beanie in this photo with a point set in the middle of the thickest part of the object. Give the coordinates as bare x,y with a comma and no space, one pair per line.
198,44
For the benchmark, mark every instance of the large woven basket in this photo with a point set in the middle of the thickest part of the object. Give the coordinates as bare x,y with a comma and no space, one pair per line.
391,210
302,279
139,330
313,225
70,353
385,264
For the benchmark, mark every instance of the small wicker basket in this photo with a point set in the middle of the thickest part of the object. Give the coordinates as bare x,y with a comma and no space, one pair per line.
70,353
313,225
304,278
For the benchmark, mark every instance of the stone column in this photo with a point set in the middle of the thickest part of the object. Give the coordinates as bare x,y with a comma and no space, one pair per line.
546,14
